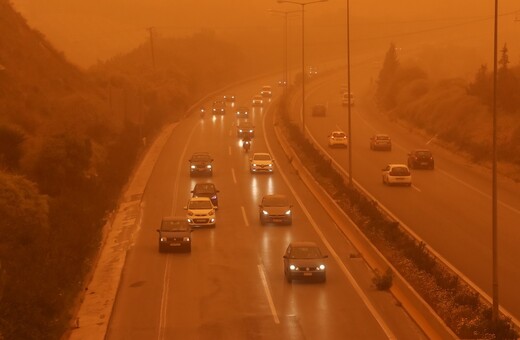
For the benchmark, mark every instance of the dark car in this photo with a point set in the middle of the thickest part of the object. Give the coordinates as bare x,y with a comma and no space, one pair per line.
304,260
201,164
275,209
421,158
245,129
229,98
319,110
380,142
242,112
219,107
206,190
174,234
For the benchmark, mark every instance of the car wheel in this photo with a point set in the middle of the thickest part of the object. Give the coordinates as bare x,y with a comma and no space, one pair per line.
262,220
289,221
410,165
188,249
323,279
161,248
383,179
432,166
288,278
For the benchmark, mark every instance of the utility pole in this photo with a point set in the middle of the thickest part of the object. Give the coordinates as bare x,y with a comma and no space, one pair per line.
150,29
349,107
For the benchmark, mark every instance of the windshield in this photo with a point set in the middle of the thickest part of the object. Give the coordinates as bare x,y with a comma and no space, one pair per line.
400,171
175,225
382,137
200,205
204,188
276,201
262,157
338,135
201,158
305,253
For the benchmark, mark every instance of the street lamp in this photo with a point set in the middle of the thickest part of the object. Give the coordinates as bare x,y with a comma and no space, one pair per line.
285,54
349,107
303,4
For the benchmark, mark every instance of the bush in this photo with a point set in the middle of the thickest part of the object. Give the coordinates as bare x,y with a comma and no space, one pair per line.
383,281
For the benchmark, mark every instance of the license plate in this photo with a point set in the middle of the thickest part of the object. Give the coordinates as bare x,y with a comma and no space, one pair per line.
277,220
307,274
175,244
424,163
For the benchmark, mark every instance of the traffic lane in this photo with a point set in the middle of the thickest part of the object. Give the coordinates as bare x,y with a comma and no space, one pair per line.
397,319
136,313
452,195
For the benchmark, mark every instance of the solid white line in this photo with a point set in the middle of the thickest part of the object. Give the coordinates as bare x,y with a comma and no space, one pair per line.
164,300
246,221
336,257
233,175
268,294
416,188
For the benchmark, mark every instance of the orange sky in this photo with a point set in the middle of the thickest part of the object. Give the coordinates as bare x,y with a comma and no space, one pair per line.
91,30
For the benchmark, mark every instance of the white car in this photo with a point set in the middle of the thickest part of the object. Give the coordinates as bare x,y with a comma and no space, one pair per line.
261,162
338,138
347,98
200,212
397,174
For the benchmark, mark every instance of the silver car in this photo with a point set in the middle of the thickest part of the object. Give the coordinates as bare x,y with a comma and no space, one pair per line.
275,209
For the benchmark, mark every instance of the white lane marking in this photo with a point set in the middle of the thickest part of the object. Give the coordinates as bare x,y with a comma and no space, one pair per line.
246,221
233,175
428,142
268,293
416,188
469,186
164,299
336,257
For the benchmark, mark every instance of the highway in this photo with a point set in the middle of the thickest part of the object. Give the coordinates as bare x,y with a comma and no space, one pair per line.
449,207
231,285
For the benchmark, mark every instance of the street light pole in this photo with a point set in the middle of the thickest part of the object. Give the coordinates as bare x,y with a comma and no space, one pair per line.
495,306
285,54
302,4
349,107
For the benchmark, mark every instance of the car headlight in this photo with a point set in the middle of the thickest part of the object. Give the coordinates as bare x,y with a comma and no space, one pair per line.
292,267
240,131
321,267
254,164
288,212
270,164
208,166
251,131
265,212
163,239
186,239
214,197
211,213
192,166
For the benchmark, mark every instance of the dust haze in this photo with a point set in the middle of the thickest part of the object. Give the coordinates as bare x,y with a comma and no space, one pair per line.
446,36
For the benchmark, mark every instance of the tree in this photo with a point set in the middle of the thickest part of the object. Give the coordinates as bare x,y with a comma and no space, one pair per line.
11,140
481,86
385,94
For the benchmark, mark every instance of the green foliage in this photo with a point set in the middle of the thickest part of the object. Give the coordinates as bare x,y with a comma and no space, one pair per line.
383,281
385,84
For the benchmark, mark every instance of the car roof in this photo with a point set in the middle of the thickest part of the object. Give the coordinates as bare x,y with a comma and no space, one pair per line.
204,185
298,244
421,150
393,165
261,153
174,218
381,135
337,132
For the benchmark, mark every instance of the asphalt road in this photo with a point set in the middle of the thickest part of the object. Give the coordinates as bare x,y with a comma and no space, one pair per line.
449,207
231,286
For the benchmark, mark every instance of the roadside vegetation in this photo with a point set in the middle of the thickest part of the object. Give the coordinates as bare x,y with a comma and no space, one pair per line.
458,112
456,303
69,139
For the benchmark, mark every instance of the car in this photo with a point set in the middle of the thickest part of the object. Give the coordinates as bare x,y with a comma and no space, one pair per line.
206,190
266,91
229,98
242,112
396,174
282,83
245,129
261,162
338,139
313,71
380,142
174,234
275,209
219,107
257,100
319,110
347,98
200,212
421,158
304,261
201,164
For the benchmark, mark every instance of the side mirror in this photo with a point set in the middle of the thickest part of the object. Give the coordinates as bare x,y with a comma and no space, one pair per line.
285,257
325,256
192,191
158,230
217,190
185,208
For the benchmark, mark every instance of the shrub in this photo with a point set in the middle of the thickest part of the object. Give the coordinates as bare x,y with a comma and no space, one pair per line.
383,281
